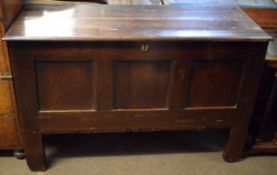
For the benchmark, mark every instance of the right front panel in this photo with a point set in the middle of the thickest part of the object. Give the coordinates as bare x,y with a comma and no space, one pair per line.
214,83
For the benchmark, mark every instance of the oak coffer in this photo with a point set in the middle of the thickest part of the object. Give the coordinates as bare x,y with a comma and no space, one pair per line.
80,67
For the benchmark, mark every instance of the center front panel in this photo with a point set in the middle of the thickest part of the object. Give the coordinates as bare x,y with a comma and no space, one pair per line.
141,84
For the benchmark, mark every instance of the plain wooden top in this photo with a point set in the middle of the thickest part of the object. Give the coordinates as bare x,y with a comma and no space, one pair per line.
91,22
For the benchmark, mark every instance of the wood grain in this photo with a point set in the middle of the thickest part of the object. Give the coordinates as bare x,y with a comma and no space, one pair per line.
6,96
6,102
83,21
8,133
56,97
141,84
206,74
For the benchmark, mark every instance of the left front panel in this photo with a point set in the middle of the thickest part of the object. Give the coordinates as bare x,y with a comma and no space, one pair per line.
65,85
59,79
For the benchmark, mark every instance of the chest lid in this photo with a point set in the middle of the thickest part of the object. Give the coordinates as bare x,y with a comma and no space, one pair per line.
90,22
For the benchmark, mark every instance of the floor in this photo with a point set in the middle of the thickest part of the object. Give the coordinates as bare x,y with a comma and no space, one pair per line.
157,153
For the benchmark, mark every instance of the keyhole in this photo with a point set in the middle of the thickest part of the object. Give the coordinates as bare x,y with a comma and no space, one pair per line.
144,47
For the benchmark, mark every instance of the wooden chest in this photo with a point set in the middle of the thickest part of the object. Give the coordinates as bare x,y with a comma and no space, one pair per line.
80,67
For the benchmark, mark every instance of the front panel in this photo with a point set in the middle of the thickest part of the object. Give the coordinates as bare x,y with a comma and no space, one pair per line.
214,83
134,86
65,85
140,84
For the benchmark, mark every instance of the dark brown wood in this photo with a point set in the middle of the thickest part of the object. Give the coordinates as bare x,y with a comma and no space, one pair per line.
109,23
131,112
204,74
9,9
133,90
233,150
269,123
263,125
131,80
52,94
33,139
262,148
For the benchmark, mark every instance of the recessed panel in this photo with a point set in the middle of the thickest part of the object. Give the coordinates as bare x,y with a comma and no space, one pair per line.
214,84
65,85
139,85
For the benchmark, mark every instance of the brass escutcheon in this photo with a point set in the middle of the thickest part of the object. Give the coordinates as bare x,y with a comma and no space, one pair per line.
144,47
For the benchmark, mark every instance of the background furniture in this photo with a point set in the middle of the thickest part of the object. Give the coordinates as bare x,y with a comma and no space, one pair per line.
9,131
263,124
134,72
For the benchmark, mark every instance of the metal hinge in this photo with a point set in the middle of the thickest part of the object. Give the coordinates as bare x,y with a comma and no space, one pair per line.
6,76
